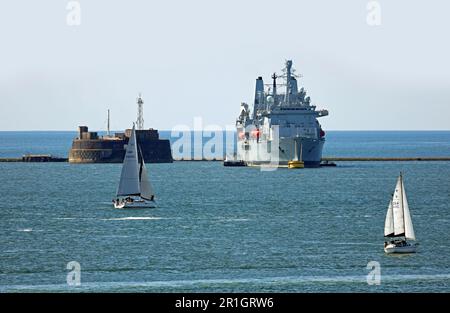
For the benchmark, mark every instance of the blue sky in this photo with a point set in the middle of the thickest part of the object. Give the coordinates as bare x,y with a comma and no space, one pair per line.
200,58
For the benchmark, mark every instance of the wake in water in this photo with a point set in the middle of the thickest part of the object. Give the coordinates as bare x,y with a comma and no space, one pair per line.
217,282
234,219
132,218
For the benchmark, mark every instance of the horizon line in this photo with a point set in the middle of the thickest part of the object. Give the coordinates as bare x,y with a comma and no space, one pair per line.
167,130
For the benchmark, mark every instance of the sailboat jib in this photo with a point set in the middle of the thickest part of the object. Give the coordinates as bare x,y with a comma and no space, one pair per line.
129,178
409,230
389,222
397,206
146,188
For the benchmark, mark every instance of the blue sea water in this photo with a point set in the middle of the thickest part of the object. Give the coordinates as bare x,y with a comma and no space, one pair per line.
224,229
338,143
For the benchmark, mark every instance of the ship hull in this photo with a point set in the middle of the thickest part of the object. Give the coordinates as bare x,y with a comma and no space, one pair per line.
256,152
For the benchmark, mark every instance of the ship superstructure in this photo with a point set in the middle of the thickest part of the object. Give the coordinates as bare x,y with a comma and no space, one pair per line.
281,126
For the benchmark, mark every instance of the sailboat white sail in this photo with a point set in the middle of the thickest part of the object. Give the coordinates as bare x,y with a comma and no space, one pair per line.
389,222
135,190
409,229
398,222
129,178
146,188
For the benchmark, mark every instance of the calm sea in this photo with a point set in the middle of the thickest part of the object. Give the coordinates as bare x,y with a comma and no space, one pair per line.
224,229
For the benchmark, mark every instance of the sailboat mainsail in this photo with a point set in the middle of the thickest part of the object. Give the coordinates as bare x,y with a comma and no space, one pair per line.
398,221
129,179
397,206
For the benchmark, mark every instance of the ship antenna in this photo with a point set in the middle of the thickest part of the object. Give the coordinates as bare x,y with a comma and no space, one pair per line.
140,115
108,124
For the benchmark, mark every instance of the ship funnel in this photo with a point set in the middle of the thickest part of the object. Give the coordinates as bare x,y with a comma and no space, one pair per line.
294,87
259,95
259,91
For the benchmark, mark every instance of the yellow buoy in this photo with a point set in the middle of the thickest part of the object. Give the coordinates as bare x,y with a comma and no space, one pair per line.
296,164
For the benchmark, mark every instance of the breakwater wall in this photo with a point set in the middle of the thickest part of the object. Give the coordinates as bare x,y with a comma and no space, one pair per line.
49,158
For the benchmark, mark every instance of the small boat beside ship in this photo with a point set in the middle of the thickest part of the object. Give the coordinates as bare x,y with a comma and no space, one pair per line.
135,190
327,163
232,161
398,227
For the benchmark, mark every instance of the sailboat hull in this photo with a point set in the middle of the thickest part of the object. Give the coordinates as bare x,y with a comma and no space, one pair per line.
135,204
392,248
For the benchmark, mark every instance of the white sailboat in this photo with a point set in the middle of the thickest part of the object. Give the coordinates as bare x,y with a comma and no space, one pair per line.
398,227
135,190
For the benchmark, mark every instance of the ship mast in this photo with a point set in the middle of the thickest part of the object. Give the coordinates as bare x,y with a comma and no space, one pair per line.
274,85
274,88
140,115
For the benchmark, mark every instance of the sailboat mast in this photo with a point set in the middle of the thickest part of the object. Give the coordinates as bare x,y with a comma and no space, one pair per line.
393,219
141,163
140,172
403,207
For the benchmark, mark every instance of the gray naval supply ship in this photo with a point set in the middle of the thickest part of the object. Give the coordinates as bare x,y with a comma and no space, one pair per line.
281,127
